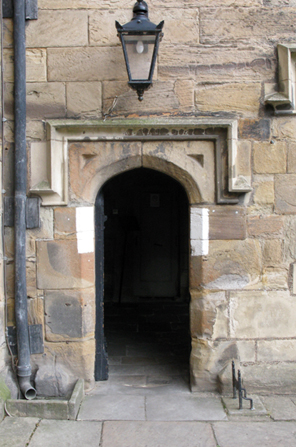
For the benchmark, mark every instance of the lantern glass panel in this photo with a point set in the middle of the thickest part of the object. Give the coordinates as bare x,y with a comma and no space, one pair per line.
139,52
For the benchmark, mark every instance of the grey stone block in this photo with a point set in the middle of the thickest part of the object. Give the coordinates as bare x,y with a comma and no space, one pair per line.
76,399
47,409
16,432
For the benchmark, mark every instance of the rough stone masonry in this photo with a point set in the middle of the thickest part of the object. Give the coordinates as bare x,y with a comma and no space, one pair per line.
217,64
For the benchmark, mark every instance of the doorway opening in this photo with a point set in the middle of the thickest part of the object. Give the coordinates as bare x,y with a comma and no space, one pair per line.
145,281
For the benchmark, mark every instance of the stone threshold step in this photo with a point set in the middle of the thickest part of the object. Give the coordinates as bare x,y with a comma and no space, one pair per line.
232,408
48,408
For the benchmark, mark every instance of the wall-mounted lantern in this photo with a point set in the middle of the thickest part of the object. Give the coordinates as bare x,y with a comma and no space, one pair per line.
140,41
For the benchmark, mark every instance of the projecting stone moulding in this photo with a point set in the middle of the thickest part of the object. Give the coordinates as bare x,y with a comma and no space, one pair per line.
50,160
283,101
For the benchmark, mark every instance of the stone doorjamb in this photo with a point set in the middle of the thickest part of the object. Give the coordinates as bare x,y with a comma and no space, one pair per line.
118,146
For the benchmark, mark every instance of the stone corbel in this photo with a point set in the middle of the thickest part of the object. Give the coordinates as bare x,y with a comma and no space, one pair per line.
283,101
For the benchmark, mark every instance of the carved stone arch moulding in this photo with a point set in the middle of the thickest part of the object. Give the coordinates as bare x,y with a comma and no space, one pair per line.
202,154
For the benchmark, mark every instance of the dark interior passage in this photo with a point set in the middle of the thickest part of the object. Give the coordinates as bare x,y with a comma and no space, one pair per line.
146,297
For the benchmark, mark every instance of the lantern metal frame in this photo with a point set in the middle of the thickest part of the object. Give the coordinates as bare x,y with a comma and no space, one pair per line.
140,25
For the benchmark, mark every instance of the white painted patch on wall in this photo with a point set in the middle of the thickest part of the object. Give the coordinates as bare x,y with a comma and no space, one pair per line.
199,231
85,229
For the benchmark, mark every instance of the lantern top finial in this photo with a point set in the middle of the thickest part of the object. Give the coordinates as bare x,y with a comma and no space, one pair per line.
140,8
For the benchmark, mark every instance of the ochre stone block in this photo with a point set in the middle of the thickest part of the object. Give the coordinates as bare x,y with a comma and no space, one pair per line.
264,193
102,30
285,194
7,33
46,100
232,264
36,310
270,158
57,29
275,278
69,314
256,314
86,64
84,99
185,93
266,226
246,24
292,158
239,98
60,266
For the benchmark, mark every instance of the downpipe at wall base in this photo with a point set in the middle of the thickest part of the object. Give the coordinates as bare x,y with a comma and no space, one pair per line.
20,174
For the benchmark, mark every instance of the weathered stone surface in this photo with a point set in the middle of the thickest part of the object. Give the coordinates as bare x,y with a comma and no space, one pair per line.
36,310
208,314
272,252
263,377
275,278
181,25
8,100
283,127
46,100
270,158
62,364
60,266
238,98
15,431
232,264
289,248
244,24
285,190
84,99
35,65
246,350
256,314
88,171
4,395
102,30
162,97
36,130
69,314
57,29
65,222
255,129
48,409
227,223
86,64
244,158
223,63
184,90
276,350
263,194
266,226
76,399
292,158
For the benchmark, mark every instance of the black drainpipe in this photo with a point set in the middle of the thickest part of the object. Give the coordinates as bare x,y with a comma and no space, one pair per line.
20,173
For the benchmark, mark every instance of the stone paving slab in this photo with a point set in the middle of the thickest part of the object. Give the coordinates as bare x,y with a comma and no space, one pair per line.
157,434
280,408
67,434
184,408
16,432
255,434
112,408
233,404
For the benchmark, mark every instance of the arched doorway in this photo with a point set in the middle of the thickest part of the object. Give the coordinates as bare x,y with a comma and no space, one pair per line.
142,274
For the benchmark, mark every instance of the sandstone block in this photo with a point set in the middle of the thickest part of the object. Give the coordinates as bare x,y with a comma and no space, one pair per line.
246,25
65,222
86,64
9,132
278,377
246,350
283,127
57,29
289,247
162,97
275,278
276,350
232,264
84,99
61,266
69,314
234,97
292,158
255,129
181,25
223,63
265,226
35,65
102,30
36,310
81,4
270,158
8,100
285,190
264,193
7,33
256,314
46,100
208,315
35,130
272,252
244,158
184,91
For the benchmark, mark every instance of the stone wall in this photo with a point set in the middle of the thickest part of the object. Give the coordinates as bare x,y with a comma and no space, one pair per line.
216,60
